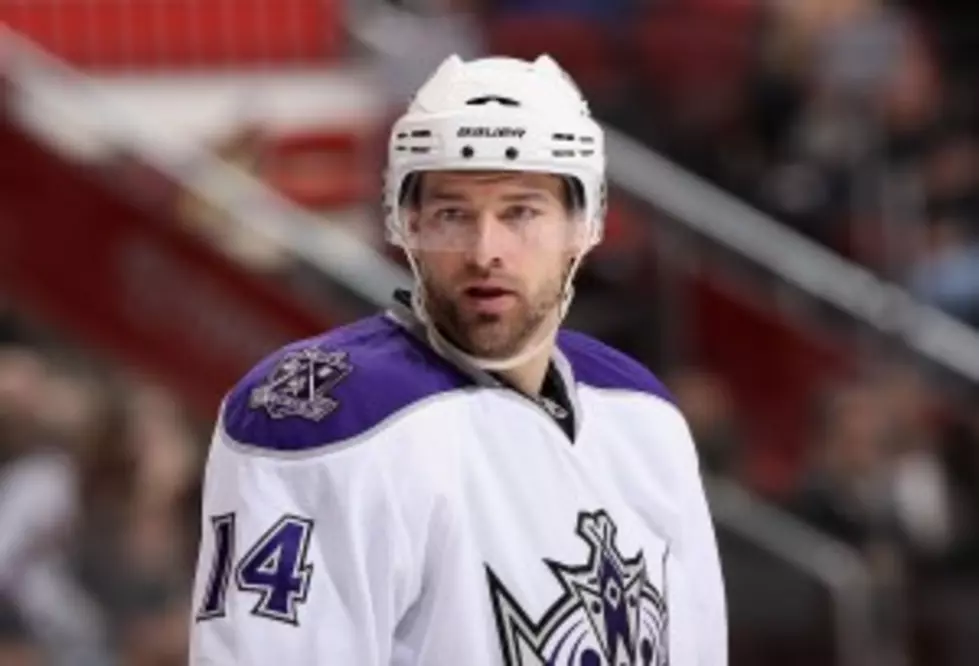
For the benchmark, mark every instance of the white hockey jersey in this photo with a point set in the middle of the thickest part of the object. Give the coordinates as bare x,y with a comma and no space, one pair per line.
368,502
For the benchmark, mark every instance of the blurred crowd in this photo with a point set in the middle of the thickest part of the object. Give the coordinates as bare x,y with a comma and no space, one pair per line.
854,121
98,481
891,472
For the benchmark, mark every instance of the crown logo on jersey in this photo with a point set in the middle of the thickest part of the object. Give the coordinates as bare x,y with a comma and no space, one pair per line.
609,615
299,382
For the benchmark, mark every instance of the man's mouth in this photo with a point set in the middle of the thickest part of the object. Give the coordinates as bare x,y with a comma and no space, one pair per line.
489,299
487,292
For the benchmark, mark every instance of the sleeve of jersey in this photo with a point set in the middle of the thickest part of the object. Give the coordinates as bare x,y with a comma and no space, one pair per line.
300,561
710,596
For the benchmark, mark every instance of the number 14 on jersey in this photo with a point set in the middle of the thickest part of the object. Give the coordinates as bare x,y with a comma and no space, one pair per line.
275,569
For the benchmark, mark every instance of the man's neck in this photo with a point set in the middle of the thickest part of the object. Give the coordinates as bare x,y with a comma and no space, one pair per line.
529,377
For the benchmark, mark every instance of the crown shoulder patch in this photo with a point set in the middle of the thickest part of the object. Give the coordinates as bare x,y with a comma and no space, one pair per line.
298,385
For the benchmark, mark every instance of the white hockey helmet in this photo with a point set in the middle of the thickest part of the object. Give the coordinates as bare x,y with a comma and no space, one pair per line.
497,114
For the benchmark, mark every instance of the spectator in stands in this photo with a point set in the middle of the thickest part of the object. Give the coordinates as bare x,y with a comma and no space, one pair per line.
709,408
946,273
849,95
881,475
936,495
167,459
846,491
21,380
137,551
960,455
920,483
96,478
17,646
946,270
156,632
10,329
40,414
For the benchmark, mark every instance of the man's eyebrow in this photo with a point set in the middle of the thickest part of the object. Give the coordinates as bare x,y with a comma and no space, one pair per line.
445,195
449,196
525,196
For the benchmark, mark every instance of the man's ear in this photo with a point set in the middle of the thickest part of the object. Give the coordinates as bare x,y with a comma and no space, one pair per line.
580,235
412,216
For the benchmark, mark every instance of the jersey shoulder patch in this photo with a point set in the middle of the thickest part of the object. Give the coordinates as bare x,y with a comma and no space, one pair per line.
334,387
600,366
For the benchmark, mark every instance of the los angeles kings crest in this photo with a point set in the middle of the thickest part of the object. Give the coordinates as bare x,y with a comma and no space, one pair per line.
610,613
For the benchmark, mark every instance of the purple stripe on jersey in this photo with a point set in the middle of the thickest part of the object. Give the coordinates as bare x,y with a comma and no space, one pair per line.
341,384
596,364
335,387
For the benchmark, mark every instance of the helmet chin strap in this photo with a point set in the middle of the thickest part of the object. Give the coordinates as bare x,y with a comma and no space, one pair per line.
544,336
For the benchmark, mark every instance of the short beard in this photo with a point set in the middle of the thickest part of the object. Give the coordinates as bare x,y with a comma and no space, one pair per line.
490,336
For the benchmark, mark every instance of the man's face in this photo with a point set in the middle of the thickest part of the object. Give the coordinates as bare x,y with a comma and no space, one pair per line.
493,252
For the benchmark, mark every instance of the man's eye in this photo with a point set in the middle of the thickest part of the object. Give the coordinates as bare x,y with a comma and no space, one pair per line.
450,215
520,213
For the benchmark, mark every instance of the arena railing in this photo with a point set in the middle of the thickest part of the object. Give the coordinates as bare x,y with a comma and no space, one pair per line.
793,259
66,109
838,568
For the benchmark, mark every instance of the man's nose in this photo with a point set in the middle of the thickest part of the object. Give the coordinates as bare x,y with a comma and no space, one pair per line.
488,242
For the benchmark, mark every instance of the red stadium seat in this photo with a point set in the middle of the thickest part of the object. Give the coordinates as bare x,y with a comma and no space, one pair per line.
696,48
174,34
582,48
320,169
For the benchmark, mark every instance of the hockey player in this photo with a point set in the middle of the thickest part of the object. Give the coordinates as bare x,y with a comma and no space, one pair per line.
456,481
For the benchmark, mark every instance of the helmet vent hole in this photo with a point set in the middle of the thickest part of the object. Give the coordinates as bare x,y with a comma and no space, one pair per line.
488,99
